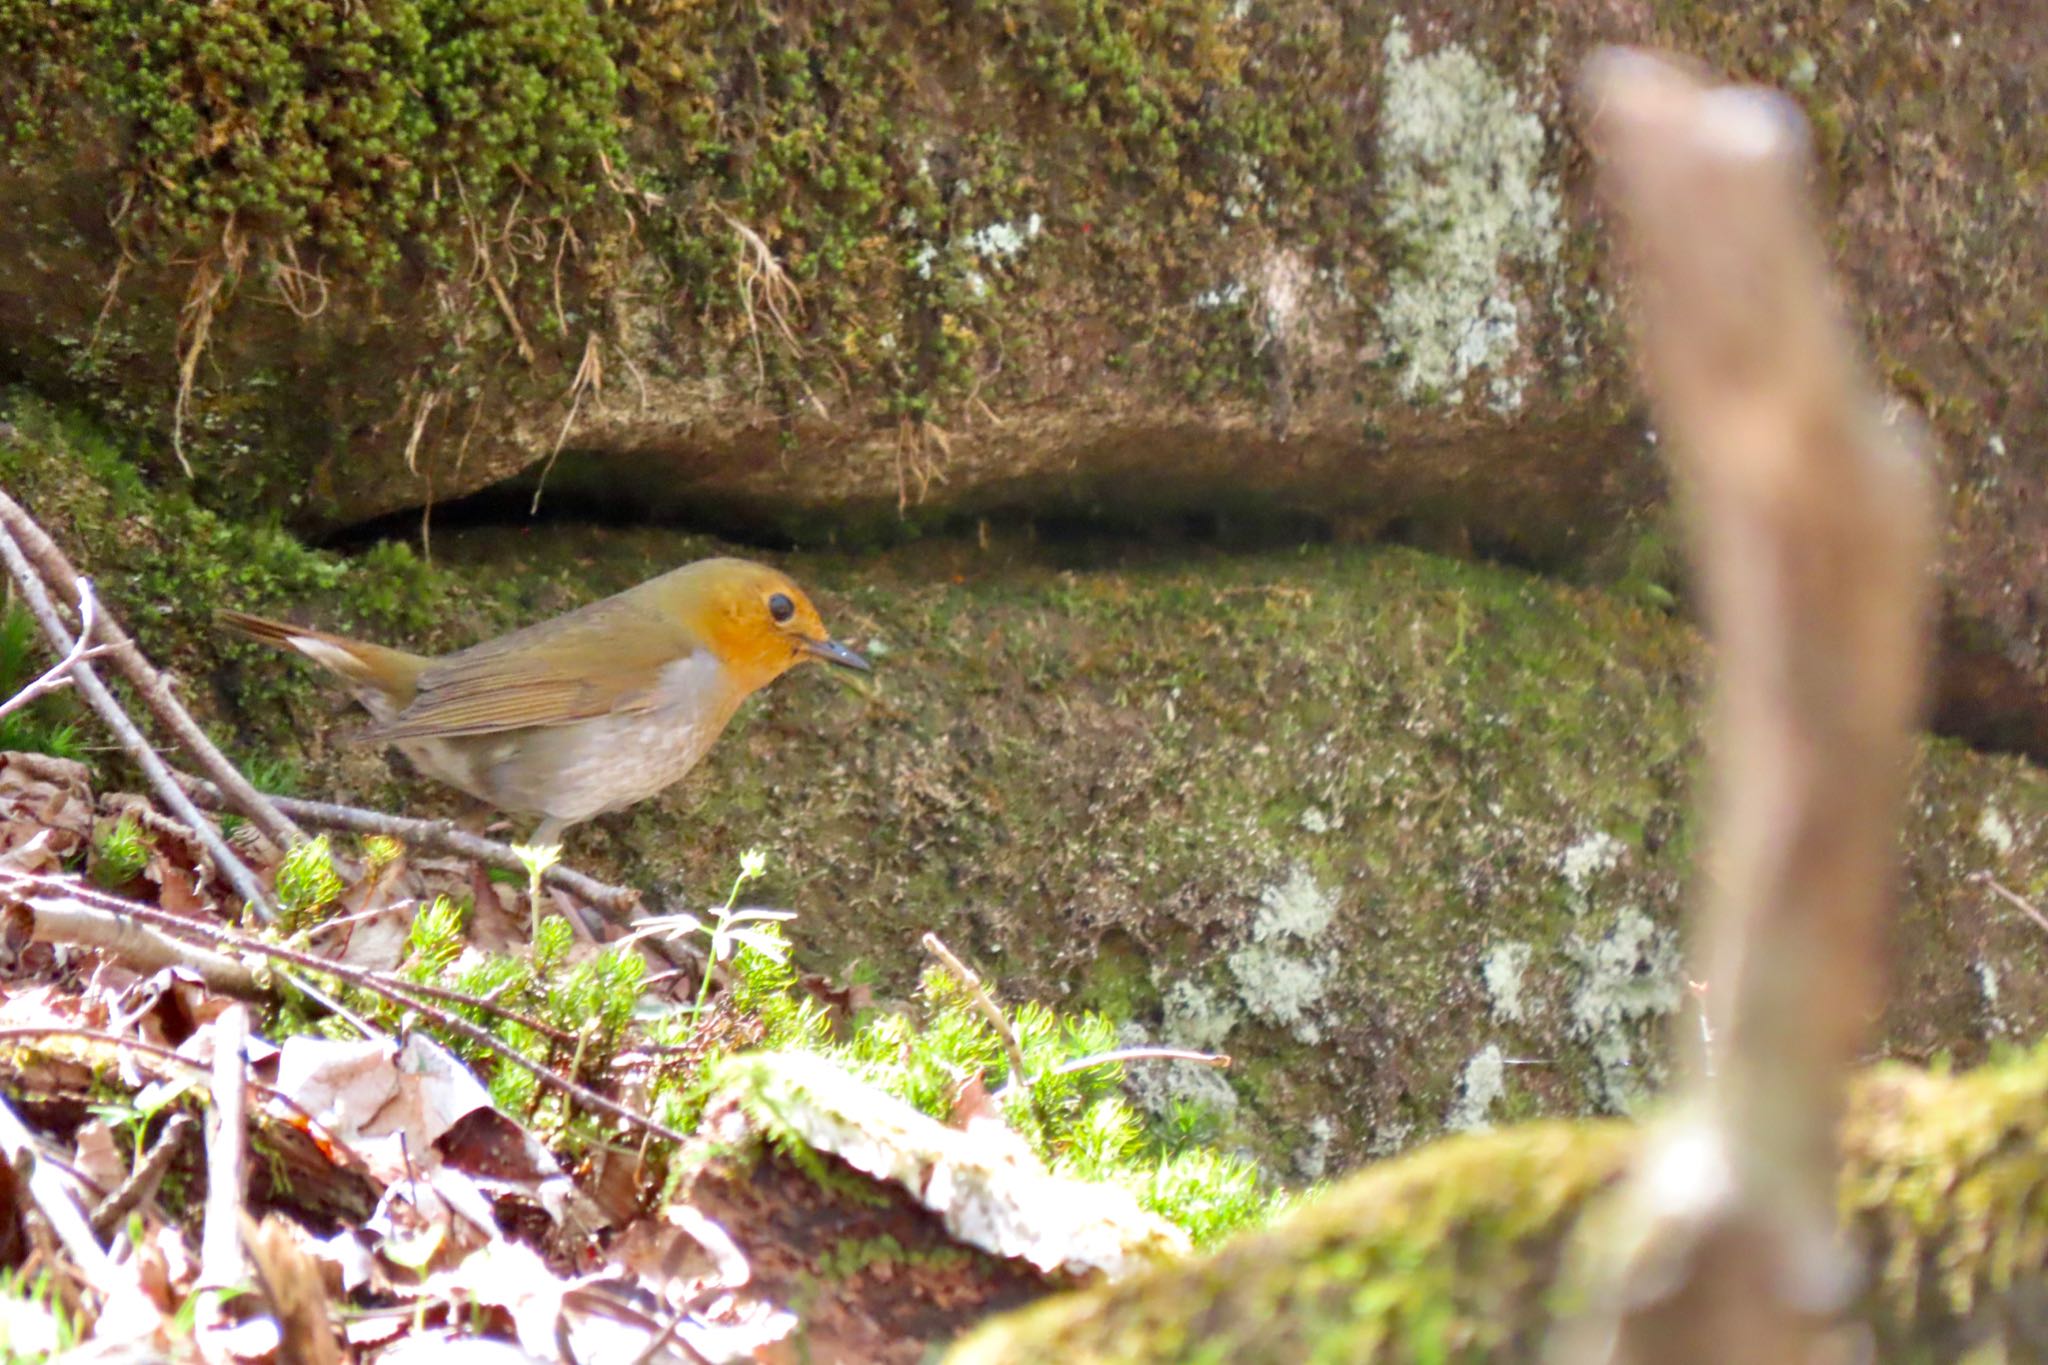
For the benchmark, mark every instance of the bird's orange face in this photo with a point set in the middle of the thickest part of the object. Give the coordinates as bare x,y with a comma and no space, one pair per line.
761,625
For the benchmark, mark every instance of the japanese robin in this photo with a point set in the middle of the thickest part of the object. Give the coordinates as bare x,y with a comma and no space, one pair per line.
590,711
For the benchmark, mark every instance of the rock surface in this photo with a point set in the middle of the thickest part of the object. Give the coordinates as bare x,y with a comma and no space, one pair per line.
1306,260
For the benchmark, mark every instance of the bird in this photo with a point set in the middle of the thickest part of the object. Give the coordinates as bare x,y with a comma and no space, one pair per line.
588,712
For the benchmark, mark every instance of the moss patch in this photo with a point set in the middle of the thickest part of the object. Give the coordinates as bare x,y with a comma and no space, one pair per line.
1457,1252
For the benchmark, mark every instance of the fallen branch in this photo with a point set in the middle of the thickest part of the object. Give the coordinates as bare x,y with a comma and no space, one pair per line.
109,708
141,1185
53,1197
396,991
60,918
435,836
24,1032
1812,532
59,674
150,685
77,913
221,1262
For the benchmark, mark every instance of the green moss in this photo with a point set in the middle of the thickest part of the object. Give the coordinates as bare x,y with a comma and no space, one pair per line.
1461,1251
1460,758
850,1257
354,133
164,564
873,203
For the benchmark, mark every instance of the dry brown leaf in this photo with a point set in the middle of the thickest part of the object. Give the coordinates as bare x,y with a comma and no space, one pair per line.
98,1157
40,794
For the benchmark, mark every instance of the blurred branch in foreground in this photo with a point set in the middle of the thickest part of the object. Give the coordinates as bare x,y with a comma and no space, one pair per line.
1811,531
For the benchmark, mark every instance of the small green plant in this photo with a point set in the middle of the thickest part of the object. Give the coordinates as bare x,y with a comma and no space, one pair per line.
119,851
44,726
306,880
1075,1118
274,774
134,1115
435,940
34,1326
381,850
730,929
536,859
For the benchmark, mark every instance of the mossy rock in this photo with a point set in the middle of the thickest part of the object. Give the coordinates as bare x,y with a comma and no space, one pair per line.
1464,1250
1409,837
853,270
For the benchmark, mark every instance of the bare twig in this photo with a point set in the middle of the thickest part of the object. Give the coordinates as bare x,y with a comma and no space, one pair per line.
984,1005
221,1262
589,379
141,1185
42,552
95,692
395,990
158,1051
2011,897
77,913
52,1193
59,675
1219,1060
438,836
1812,532
58,917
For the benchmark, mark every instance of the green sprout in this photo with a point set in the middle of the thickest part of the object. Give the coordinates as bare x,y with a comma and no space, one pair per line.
306,879
536,859
119,852
731,929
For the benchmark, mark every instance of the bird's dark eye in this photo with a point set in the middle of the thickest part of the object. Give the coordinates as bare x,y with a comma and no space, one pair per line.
780,607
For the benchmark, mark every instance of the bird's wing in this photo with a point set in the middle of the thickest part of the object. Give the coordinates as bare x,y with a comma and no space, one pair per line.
605,658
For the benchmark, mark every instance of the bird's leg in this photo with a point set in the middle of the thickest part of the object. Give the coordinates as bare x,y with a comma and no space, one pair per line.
548,834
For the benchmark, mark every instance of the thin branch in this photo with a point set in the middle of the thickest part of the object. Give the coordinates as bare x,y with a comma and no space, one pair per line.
150,685
393,990
139,748
436,836
141,1185
25,1032
1812,529
83,915
59,674
52,1194
60,918
221,1262
1219,1060
985,1005
2011,897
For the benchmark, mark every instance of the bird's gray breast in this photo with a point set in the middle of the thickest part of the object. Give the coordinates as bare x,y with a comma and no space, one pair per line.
587,767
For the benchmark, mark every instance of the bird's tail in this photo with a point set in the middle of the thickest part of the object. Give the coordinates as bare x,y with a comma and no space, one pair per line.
390,671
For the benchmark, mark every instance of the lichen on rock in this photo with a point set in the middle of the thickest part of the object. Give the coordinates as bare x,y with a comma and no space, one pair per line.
1462,166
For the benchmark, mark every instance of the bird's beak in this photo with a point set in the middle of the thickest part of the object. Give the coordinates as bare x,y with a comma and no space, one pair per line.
832,652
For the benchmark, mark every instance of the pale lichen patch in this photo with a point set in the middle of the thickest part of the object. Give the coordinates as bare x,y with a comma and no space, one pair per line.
1196,1016
1462,171
1994,829
1280,976
1598,852
1501,970
1988,987
1483,1083
1630,974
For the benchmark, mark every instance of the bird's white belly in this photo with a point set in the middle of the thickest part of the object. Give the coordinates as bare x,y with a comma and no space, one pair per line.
611,762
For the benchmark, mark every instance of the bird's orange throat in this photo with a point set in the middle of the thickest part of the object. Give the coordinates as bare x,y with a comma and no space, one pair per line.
753,656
